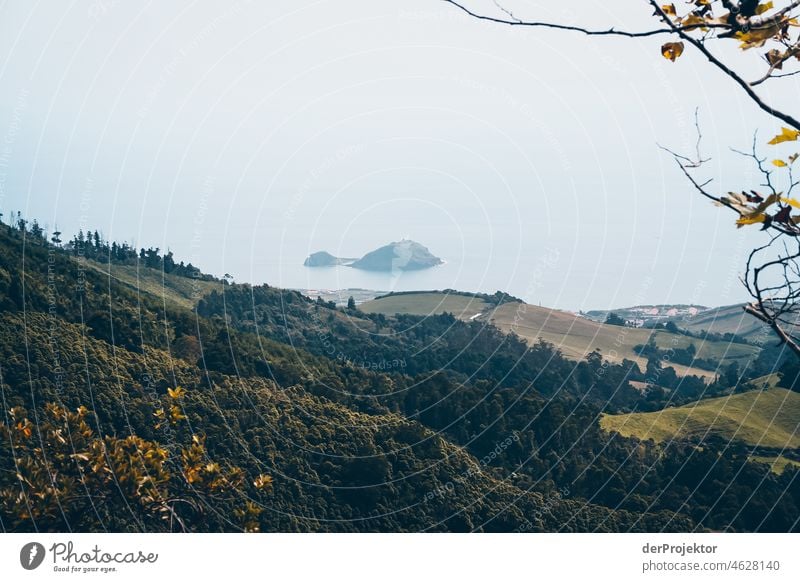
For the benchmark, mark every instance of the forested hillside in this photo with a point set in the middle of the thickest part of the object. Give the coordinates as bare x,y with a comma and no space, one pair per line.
255,408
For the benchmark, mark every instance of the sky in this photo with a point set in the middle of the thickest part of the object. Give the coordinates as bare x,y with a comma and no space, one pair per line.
245,135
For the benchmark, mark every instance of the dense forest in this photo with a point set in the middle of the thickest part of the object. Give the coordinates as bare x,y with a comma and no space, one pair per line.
262,410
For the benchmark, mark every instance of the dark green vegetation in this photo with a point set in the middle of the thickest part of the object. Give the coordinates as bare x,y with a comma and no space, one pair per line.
614,319
260,409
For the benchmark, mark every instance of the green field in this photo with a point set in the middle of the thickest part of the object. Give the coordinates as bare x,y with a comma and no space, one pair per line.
778,464
576,336
181,291
768,418
764,382
715,350
727,319
426,303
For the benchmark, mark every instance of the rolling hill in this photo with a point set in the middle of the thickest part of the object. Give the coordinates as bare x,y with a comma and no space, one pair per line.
693,318
260,408
427,303
764,419
179,291
777,464
722,320
576,336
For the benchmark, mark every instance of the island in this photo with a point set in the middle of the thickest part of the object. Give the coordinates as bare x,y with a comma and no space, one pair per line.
325,259
405,255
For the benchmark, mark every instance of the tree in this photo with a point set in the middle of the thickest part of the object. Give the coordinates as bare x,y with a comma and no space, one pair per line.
169,262
772,271
614,319
789,375
730,374
37,231
58,470
351,304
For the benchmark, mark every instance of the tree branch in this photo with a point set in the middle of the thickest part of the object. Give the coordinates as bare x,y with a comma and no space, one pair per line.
587,31
725,69
765,20
776,327
793,52
671,28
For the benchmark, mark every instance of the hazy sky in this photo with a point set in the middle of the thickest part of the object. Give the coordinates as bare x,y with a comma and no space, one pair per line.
244,135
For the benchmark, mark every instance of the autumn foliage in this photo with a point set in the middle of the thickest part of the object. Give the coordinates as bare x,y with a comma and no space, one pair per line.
58,470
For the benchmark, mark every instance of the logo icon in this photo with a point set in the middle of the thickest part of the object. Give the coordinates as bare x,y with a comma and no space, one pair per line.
31,555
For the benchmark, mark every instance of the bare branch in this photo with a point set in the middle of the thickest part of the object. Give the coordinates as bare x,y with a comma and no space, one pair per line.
514,21
770,74
507,11
776,327
671,28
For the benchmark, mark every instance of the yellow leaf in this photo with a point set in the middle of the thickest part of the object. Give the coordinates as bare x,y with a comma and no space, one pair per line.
192,475
785,135
176,414
693,20
762,8
791,202
672,50
669,9
752,219
24,428
758,36
779,163
263,482
176,393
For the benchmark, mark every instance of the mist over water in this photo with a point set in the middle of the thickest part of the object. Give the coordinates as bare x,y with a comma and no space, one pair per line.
462,274
476,257
244,138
